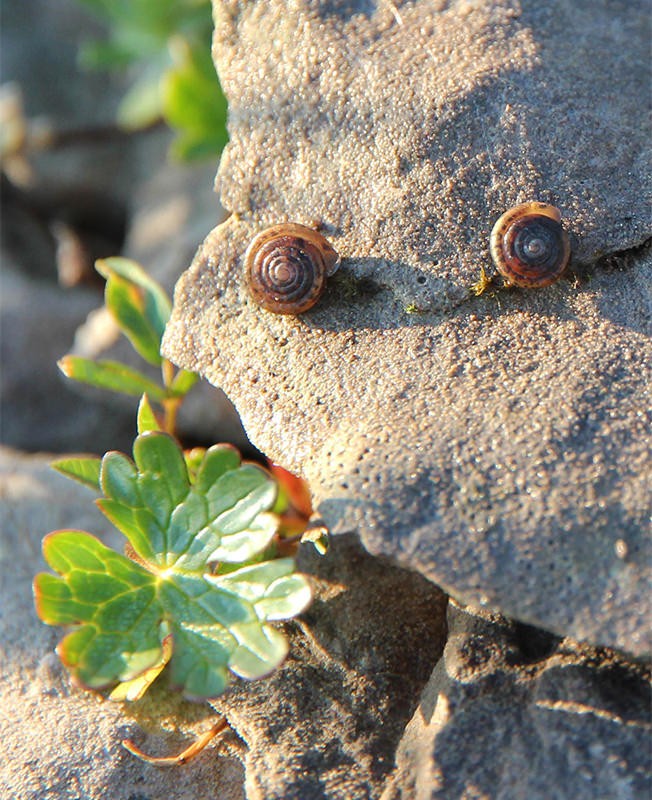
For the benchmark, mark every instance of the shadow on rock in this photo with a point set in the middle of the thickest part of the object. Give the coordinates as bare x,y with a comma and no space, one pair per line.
328,722
514,712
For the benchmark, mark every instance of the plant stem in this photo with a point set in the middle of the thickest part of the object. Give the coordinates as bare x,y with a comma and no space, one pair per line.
167,368
183,758
170,404
171,408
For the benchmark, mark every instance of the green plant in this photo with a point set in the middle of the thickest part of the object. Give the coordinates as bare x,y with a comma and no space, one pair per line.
141,308
482,284
178,522
165,46
207,564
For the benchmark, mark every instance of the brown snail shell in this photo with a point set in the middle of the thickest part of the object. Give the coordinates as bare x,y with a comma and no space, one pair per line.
529,246
287,266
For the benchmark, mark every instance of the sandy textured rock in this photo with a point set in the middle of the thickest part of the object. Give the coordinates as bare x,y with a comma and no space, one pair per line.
512,713
59,741
497,444
327,723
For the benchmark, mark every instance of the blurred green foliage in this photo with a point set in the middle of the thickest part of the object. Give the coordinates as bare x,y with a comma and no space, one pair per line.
166,45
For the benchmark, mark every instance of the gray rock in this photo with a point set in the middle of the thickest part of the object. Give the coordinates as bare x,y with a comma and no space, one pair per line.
511,713
59,741
496,444
327,723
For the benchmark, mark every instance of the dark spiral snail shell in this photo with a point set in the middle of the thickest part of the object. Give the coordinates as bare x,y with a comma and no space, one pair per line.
287,266
529,246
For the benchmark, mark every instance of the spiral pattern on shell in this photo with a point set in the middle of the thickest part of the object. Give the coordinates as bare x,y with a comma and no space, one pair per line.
287,266
529,246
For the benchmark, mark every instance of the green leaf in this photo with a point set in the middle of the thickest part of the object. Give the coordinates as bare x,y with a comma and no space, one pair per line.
139,305
114,600
273,587
142,105
110,375
183,382
193,102
84,469
194,459
119,479
219,518
135,688
146,418
130,618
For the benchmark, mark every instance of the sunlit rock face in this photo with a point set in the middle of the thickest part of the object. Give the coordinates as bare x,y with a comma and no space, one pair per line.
497,444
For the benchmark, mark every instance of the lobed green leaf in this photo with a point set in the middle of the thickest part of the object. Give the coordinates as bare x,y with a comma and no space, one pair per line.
273,588
169,521
119,479
109,598
130,622
135,688
131,618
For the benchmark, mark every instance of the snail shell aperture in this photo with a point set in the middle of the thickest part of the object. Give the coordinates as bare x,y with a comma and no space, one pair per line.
287,266
529,246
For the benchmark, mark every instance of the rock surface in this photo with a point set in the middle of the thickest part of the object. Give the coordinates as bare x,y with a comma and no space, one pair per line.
356,711
327,723
496,444
513,713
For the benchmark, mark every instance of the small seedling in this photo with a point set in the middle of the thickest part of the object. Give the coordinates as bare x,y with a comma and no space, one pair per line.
413,308
141,308
199,574
482,284
209,540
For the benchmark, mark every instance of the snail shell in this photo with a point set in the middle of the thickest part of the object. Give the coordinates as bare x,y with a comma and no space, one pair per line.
529,246
287,266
